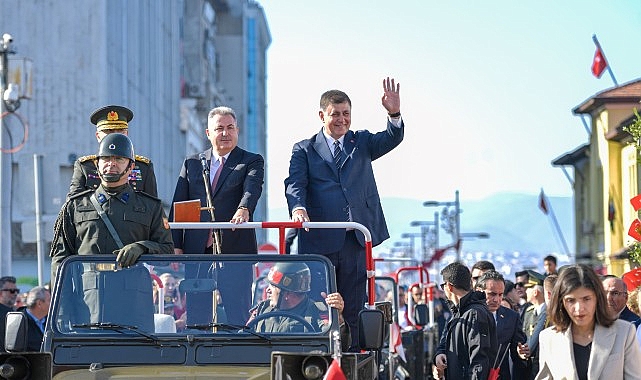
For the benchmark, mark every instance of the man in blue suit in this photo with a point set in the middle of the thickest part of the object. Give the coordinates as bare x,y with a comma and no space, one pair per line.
331,180
236,179
509,330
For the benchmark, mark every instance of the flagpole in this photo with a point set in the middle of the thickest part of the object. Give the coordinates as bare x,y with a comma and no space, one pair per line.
555,222
607,64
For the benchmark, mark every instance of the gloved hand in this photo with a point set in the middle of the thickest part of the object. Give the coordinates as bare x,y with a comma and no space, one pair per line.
129,254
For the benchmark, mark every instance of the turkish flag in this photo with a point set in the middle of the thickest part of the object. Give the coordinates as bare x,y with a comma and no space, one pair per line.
598,64
334,372
543,204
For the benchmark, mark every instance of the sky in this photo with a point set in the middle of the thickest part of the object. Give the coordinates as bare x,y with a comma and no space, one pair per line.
487,87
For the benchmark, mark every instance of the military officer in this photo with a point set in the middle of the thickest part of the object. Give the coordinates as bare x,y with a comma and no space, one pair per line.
138,218
112,119
288,291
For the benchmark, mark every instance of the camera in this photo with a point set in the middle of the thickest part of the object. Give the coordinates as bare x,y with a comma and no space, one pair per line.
7,39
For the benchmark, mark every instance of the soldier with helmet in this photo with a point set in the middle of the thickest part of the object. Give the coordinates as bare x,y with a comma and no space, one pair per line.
289,301
112,119
138,219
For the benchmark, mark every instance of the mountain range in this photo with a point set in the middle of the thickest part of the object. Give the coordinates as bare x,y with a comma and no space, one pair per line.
520,233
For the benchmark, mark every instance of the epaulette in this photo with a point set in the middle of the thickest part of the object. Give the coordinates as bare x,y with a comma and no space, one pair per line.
90,157
142,159
81,193
147,195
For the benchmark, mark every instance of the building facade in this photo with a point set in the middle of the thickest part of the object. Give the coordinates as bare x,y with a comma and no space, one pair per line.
169,61
605,179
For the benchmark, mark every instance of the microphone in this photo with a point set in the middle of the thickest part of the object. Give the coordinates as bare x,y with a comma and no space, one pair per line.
203,161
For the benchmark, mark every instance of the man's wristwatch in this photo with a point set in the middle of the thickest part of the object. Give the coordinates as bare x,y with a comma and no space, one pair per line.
395,114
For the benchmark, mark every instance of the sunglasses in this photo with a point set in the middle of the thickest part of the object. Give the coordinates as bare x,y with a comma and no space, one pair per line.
443,286
519,284
12,291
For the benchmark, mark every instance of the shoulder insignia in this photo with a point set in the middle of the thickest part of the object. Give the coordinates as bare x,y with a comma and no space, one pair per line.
77,195
140,192
90,157
142,159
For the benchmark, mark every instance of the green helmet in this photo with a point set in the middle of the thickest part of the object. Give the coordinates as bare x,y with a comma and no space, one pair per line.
292,277
116,144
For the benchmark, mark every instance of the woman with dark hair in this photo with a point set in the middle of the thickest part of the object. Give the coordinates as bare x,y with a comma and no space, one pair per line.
584,342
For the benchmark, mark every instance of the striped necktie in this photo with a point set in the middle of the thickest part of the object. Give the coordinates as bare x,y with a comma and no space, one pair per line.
339,157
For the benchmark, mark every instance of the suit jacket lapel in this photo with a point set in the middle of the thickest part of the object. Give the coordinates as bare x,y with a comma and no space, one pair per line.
349,146
500,324
321,147
566,350
602,343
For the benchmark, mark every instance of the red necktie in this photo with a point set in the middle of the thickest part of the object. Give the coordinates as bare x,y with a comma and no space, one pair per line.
217,174
210,240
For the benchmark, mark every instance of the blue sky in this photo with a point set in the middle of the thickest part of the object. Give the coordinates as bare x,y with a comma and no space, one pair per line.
487,87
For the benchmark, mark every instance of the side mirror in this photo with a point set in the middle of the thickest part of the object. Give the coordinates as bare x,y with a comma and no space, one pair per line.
371,329
421,314
15,336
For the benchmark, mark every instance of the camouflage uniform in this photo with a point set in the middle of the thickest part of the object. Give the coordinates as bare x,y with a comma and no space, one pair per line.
316,313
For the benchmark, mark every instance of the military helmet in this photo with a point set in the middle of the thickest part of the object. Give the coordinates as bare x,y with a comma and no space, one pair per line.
292,277
116,144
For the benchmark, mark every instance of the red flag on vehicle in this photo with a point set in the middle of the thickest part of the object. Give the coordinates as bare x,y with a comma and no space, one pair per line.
397,342
598,63
334,372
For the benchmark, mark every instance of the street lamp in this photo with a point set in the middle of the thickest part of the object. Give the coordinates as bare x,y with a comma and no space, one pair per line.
452,221
411,236
474,235
425,229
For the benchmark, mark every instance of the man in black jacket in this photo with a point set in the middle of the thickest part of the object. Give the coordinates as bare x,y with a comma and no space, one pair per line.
470,343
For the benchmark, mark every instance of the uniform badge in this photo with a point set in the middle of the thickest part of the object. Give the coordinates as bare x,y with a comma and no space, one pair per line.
125,197
101,198
135,175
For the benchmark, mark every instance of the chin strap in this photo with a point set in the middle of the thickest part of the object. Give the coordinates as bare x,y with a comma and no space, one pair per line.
109,177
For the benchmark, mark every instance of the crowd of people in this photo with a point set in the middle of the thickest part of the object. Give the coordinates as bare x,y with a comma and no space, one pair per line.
572,324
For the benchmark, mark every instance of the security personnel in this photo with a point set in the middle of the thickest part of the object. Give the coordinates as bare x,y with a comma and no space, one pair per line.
140,227
289,285
112,119
137,217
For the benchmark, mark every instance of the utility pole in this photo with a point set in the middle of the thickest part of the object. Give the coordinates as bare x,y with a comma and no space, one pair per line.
6,237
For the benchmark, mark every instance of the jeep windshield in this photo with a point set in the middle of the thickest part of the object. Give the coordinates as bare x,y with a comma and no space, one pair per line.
266,295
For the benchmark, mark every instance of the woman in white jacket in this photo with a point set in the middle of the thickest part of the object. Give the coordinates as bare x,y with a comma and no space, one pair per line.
584,342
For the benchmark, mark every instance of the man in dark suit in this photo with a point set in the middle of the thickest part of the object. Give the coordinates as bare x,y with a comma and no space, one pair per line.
522,278
236,178
617,293
331,180
8,295
35,311
112,119
509,330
